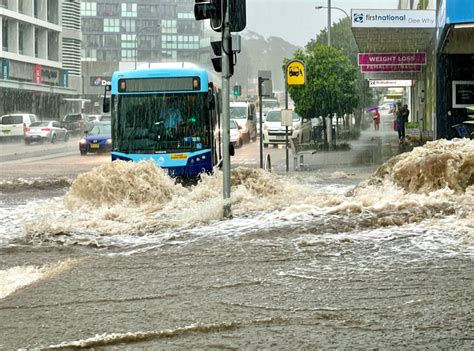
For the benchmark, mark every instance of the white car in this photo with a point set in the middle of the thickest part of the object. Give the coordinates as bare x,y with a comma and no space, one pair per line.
235,134
245,115
50,131
15,124
273,132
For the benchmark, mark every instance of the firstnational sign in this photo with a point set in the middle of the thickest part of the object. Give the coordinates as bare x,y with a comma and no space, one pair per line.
393,18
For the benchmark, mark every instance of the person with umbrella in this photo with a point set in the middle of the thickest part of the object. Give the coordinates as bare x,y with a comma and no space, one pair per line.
376,119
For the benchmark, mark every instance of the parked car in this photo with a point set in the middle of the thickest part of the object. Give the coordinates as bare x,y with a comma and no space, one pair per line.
77,123
99,118
98,139
235,133
244,114
50,131
14,125
273,132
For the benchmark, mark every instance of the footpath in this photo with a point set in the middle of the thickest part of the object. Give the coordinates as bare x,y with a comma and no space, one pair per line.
373,148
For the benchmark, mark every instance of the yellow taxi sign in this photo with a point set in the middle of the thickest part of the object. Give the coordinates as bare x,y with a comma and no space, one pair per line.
179,156
295,73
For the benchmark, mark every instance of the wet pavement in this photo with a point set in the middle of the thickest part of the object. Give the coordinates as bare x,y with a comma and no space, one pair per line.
330,257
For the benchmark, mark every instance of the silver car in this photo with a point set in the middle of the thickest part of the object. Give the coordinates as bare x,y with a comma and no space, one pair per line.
50,131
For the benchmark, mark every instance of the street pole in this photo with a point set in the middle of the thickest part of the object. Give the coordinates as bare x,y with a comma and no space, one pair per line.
329,22
260,81
286,127
226,37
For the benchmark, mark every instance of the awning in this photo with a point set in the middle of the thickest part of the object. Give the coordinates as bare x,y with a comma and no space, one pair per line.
392,31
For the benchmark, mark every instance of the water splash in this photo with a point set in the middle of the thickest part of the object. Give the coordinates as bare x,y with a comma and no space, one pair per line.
14,278
431,182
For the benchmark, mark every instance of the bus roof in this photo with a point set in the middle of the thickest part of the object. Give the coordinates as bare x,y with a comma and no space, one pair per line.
162,72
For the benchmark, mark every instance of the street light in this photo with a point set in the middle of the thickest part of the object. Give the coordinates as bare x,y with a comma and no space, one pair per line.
329,7
136,40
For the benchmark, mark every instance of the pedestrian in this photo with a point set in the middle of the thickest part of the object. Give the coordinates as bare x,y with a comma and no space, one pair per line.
376,119
401,122
406,113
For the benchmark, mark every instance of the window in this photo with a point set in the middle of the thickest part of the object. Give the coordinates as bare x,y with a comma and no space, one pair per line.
93,24
53,11
5,34
4,4
182,15
168,26
111,25
129,10
92,40
188,42
128,25
111,41
108,10
128,41
21,33
169,42
37,34
88,9
21,6
89,55
128,54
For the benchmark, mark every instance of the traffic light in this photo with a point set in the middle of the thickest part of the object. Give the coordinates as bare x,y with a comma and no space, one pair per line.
217,61
237,15
209,9
237,90
214,10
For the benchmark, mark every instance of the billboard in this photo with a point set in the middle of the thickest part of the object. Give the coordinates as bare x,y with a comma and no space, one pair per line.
398,58
372,18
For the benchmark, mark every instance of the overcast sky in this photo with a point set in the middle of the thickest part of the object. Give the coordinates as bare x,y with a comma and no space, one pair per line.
297,21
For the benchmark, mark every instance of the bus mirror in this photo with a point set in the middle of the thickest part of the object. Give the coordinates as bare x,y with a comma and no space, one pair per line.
211,102
231,149
106,105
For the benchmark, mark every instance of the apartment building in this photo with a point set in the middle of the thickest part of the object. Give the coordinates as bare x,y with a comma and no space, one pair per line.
40,56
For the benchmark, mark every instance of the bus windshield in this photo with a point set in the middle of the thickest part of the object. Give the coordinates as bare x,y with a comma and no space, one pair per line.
158,123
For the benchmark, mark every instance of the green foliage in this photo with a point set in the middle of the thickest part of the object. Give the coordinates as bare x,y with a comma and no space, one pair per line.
331,82
423,4
343,39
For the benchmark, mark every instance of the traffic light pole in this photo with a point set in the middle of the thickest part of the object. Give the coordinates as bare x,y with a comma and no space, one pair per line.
260,81
226,51
286,127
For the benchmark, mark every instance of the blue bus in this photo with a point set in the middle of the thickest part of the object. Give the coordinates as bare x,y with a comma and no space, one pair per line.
167,114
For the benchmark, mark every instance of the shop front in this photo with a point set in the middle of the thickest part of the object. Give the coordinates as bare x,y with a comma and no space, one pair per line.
33,88
455,66
398,46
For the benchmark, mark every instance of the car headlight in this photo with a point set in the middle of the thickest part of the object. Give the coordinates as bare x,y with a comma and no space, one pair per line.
109,141
265,127
82,141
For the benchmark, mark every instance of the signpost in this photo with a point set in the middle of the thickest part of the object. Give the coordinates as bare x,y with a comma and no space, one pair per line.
295,75
264,89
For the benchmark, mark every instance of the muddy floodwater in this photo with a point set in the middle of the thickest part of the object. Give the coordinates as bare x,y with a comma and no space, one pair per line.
123,258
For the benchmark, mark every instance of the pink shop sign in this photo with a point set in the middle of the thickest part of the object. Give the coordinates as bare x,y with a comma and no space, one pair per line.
397,58
390,68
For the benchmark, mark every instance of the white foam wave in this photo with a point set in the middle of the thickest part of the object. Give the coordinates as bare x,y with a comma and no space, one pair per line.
138,200
15,278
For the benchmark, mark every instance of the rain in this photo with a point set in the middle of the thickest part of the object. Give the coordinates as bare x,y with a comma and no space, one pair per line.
335,212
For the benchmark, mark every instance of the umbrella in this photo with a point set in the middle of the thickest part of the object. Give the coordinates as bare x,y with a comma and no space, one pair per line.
372,108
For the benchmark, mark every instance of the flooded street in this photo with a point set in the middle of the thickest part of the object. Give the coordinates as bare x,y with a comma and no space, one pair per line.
309,259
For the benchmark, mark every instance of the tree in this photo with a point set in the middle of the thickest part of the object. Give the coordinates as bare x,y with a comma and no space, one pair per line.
330,83
342,38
